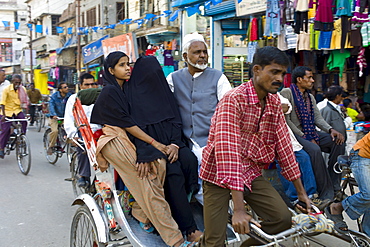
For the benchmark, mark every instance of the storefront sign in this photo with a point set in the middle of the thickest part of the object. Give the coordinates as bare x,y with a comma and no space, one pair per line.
93,50
247,7
53,59
125,43
27,57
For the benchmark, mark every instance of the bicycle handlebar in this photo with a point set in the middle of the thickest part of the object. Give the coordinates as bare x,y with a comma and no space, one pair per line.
16,119
282,235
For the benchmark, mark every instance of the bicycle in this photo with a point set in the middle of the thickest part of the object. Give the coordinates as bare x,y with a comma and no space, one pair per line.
348,181
103,218
62,144
39,117
74,169
19,142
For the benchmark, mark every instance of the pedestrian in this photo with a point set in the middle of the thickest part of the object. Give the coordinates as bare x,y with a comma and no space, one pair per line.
35,97
3,84
197,89
247,132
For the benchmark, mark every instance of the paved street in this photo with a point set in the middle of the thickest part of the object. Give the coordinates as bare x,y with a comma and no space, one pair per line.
35,210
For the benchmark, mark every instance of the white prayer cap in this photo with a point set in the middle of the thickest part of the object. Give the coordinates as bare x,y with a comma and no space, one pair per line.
190,38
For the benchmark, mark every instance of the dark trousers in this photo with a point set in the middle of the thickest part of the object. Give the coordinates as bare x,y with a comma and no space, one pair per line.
327,180
176,196
32,110
83,163
264,200
5,132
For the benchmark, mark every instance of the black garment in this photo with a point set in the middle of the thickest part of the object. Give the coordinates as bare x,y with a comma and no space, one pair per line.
111,107
301,20
32,109
346,27
363,5
153,107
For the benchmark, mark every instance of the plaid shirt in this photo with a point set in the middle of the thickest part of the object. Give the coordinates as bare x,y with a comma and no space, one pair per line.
242,140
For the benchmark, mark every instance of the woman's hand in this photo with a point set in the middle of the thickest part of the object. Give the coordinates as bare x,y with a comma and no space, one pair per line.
160,147
143,169
172,152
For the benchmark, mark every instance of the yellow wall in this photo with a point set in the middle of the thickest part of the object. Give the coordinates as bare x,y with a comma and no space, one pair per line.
41,81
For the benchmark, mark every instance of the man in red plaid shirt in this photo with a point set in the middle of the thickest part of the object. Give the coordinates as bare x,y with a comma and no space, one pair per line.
247,132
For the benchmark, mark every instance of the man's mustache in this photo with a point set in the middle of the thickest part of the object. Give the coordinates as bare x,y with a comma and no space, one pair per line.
276,83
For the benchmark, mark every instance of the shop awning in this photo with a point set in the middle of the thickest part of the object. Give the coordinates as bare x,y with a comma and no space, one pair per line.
70,41
92,66
185,3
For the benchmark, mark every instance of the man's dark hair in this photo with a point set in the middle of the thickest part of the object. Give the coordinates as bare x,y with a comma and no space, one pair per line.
299,71
333,91
61,84
346,102
86,76
16,76
267,55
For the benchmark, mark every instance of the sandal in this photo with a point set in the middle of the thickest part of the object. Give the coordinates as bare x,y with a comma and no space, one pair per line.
339,224
147,227
188,244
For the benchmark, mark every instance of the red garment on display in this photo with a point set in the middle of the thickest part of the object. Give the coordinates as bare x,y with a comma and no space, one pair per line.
287,80
150,52
324,11
254,30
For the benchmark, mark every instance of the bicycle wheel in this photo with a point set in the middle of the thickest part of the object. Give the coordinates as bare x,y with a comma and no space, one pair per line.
75,176
360,239
52,159
38,121
43,120
70,149
23,154
83,230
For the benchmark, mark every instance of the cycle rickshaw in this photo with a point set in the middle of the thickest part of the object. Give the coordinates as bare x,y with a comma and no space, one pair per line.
102,218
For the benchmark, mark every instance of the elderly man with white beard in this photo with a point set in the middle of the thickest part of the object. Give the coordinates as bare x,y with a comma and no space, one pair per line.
197,89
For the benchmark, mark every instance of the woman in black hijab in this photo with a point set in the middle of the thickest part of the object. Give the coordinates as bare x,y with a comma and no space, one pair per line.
143,179
153,107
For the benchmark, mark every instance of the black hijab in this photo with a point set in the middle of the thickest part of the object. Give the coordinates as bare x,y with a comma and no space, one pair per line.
111,107
150,98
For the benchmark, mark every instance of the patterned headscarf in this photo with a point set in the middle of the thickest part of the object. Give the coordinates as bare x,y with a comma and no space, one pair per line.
305,115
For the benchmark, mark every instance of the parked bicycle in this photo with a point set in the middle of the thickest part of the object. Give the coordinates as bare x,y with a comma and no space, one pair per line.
19,142
61,146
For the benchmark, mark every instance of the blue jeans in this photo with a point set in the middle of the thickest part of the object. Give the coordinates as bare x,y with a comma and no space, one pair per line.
307,176
359,204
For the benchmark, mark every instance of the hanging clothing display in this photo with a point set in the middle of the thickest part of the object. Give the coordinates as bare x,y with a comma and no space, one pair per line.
324,15
272,27
337,60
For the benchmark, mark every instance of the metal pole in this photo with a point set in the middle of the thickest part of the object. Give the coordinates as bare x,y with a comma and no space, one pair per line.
78,39
30,43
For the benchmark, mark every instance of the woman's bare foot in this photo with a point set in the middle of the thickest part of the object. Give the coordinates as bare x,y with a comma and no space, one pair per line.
194,236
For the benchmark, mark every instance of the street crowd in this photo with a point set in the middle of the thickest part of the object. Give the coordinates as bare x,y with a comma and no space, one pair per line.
191,136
